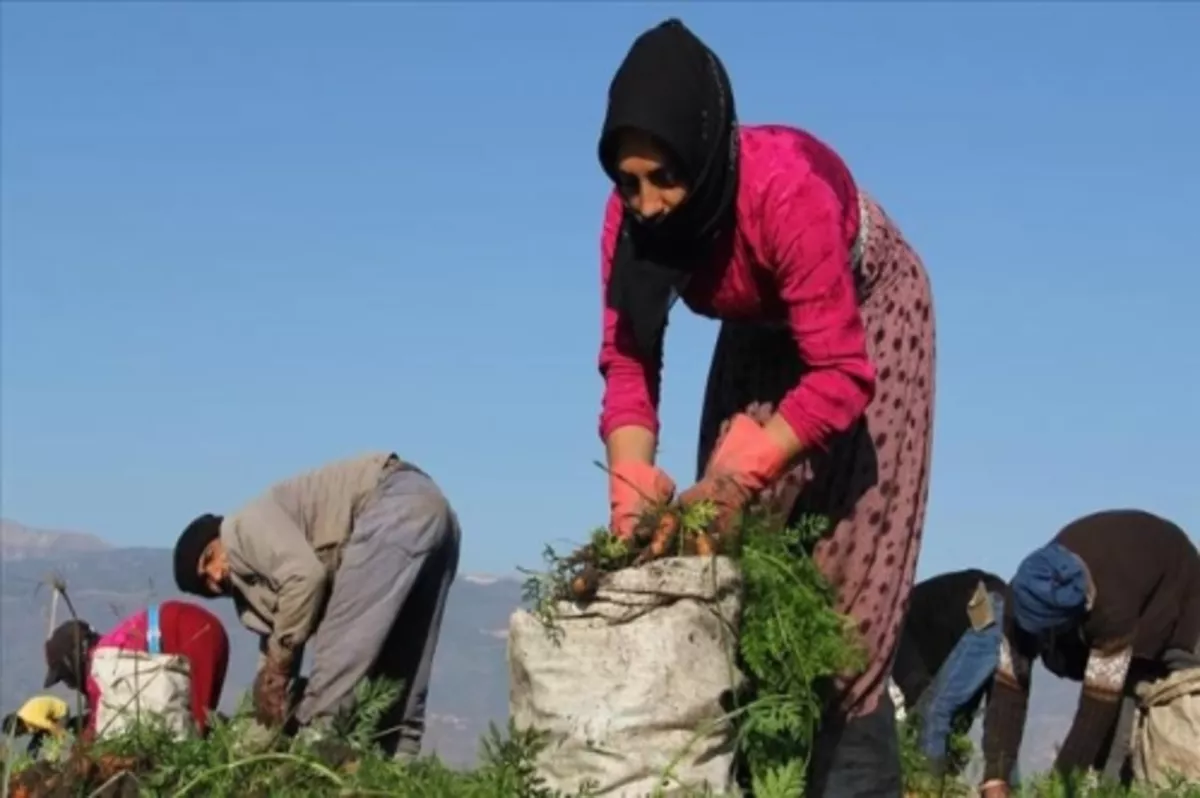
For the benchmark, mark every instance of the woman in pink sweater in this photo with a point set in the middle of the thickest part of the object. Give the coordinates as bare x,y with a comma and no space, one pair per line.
820,394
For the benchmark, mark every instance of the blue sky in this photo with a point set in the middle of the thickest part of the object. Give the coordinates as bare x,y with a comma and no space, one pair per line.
241,240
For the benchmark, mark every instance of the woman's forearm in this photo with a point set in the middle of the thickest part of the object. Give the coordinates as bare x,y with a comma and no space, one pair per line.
784,436
631,443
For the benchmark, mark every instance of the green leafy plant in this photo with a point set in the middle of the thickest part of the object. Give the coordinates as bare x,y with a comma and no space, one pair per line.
792,644
919,776
159,765
1054,785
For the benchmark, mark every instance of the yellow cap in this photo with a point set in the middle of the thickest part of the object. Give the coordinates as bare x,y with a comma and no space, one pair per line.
44,712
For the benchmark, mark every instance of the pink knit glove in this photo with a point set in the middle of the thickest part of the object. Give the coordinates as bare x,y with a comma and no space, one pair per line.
747,460
633,487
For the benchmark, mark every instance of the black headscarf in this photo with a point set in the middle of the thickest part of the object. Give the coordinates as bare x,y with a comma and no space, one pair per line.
674,88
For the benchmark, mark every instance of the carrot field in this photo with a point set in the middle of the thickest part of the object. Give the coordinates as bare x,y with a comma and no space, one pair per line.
790,644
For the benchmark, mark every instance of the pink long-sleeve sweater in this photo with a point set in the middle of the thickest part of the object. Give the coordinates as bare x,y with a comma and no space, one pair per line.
797,219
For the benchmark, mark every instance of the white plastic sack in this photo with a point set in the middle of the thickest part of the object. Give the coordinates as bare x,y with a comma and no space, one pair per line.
638,683
1166,738
136,687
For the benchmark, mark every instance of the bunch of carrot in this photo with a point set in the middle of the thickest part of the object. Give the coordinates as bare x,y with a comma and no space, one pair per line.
665,531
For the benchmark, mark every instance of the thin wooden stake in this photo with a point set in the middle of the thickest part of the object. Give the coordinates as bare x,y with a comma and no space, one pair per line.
53,612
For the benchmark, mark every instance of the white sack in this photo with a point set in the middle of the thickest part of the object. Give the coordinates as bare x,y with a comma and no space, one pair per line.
639,682
136,687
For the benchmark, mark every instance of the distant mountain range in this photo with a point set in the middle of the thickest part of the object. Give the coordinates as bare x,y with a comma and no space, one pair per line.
470,683
19,542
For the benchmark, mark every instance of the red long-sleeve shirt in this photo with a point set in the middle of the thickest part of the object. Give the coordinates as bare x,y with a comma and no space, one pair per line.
797,219
187,630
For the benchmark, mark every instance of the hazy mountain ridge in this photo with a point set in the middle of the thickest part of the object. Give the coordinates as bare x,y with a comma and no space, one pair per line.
470,683
18,541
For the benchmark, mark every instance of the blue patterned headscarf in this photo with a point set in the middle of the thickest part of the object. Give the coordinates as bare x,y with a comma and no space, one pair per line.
1049,590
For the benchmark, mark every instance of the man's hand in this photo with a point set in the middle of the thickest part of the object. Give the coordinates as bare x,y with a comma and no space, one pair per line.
271,699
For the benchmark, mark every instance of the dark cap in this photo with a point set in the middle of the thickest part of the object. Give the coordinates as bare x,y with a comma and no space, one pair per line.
67,652
188,550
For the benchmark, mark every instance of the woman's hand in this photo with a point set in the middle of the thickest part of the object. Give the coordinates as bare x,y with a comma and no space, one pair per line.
726,494
749,457
634,487
634,483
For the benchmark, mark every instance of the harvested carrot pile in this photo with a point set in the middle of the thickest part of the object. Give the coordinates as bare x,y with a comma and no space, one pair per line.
104,776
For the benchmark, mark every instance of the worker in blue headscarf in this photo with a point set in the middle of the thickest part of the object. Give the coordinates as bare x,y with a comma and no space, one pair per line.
1112,600
1051,590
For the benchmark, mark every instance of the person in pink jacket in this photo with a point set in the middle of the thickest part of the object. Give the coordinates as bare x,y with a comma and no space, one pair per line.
820,393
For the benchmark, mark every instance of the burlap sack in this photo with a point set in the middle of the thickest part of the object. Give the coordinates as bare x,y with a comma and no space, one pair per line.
1166,738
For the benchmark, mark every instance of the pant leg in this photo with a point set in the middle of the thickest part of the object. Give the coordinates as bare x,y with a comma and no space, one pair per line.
971,663
36,741
859,757
409,653
406,520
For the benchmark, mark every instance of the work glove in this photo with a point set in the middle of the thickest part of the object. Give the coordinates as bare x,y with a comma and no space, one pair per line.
322,740
746,461
634,487
250,737
271,697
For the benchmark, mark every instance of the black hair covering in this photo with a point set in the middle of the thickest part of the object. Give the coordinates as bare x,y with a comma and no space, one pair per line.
67,653
198,534
672,87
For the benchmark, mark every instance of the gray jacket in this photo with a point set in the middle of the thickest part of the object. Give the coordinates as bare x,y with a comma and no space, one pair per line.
284,547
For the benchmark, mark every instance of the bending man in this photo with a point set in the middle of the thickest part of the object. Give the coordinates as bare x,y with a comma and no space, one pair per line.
358,555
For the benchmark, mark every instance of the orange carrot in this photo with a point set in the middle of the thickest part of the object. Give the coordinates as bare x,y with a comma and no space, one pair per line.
585,584
664,536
